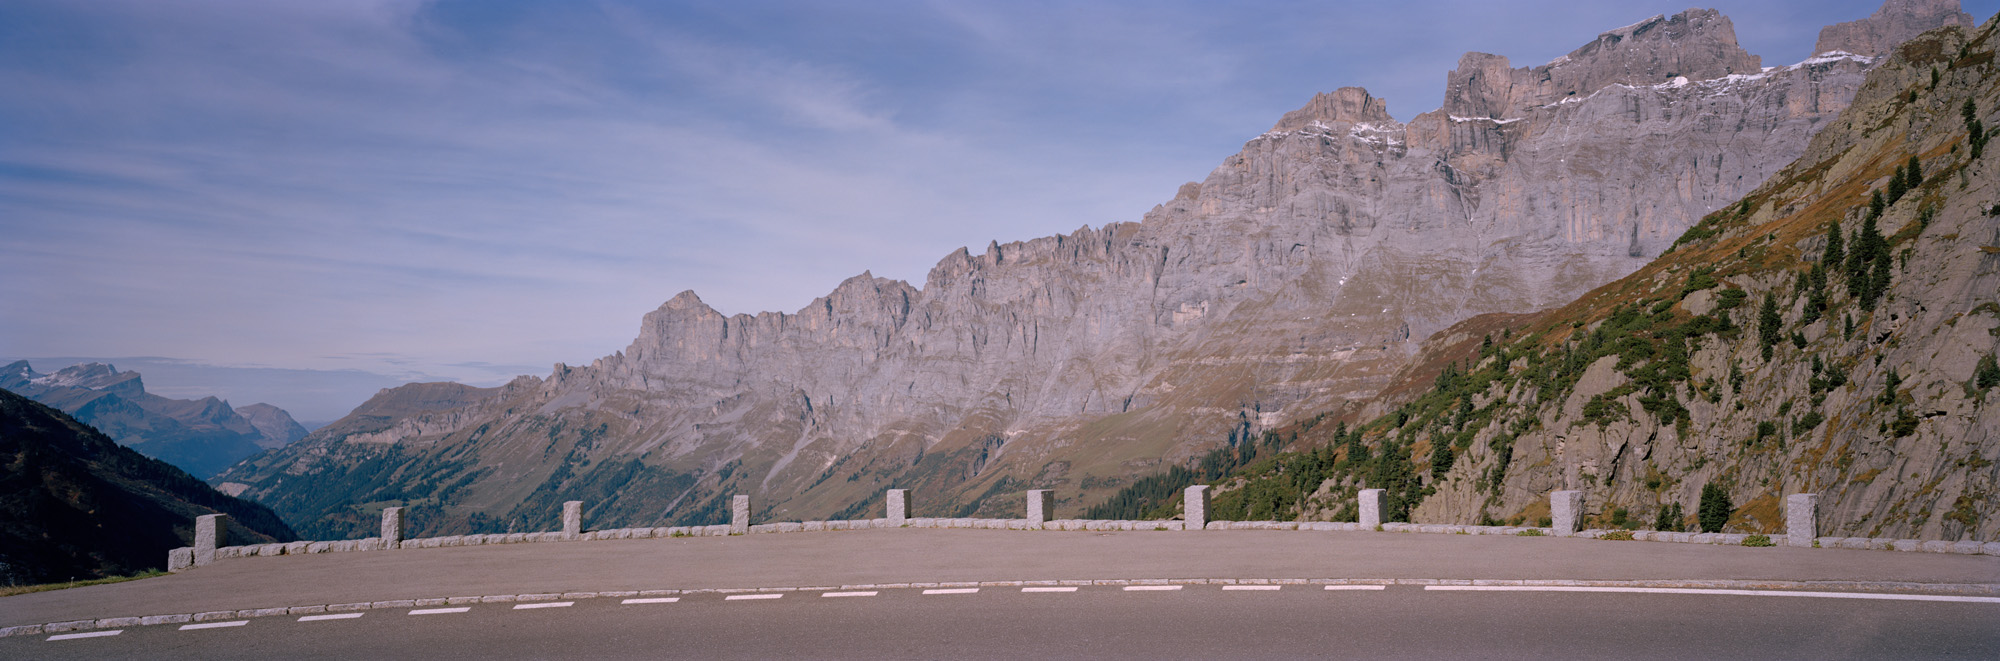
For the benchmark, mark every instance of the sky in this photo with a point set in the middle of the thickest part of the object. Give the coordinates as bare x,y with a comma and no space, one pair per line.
477,189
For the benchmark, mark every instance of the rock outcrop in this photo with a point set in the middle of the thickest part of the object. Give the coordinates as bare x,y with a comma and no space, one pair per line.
1897,21
202,436
1296,277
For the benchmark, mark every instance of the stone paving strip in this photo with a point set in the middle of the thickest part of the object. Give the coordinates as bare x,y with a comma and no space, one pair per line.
1886,590
1700,591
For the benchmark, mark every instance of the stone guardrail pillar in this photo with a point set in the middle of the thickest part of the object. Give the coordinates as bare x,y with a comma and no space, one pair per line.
1565,511
898,504
392,527
1801,519
1040,507
211,531
572,519
739,515
1371,508
1196,516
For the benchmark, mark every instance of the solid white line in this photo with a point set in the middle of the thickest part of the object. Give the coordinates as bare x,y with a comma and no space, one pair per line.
767,595
651,600
1069,588
440,611
952,591
868,593
545,604
335,616
1251,587
1714,591
86,634
1151,588
1356,587
214,625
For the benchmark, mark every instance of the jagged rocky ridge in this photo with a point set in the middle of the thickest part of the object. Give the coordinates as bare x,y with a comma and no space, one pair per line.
75,504
1296,277
1870,380
202,436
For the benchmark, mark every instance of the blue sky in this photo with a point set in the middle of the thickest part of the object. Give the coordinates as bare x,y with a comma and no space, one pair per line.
477,189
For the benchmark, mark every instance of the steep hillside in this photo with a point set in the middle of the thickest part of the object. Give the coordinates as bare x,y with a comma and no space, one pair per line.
1833,332
75,504
1292,279
202,436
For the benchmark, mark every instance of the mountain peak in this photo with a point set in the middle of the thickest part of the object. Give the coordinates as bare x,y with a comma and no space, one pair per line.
1347,105
1698,44
1897,21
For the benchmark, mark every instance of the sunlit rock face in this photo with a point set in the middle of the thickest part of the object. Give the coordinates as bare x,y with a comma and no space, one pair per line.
1297,276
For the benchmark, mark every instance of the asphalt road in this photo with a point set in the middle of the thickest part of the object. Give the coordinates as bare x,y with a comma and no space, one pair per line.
1202,621
926,555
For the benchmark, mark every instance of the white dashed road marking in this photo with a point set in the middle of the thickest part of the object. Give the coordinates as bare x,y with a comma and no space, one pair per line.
1356,587
1070,588
734,597
651,600
952,591
545,604
1712,591
440,611
1251,587
866,593
334,616
1151,588
214,625
86,634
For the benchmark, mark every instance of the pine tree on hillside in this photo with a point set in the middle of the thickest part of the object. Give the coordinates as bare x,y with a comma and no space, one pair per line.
1715,508
1836,253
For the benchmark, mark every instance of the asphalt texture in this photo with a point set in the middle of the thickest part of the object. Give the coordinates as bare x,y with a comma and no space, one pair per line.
1101,622
1096,621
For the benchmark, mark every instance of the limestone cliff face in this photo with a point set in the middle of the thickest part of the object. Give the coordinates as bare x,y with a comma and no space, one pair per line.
202,436
1294,277
1897,21
1879,406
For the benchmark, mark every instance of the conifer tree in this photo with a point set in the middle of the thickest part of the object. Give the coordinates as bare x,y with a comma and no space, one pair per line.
1835,251
1715,508
1914,172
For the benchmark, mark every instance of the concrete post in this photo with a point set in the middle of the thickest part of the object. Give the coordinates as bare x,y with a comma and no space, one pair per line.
1371,508
898,502
1566,510
1801,522
1040,507
392,527
739,515
211,531
572,519
1196,517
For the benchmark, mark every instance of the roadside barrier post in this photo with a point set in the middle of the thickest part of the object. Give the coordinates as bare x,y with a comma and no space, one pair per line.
1801,522
1040,507
1371,508
211,531
392,527
1565,511
572,519
898,503
1196,516
739,515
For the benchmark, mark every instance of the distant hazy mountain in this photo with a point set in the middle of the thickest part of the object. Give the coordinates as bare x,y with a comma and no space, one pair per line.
202,436
75,504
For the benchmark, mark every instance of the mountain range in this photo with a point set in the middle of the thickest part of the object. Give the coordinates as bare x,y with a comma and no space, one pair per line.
75,504
1297,281
202,436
